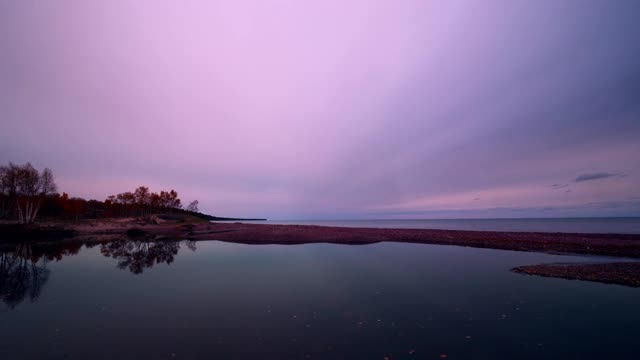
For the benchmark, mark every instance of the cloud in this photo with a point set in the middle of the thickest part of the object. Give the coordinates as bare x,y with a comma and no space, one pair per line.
619,208
595,176
559,186
265,111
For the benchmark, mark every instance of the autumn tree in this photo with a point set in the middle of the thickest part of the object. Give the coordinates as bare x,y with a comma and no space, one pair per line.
143,202
170,200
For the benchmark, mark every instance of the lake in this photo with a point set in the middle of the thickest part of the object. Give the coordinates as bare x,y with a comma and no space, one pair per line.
215,300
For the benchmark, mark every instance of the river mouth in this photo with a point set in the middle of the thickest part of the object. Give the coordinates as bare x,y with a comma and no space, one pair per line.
181,299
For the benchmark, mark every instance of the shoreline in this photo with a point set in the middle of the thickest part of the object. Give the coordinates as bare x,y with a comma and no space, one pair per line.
615,245
617,271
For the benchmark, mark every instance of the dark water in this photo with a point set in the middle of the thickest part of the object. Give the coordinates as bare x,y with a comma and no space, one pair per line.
574,225
214,300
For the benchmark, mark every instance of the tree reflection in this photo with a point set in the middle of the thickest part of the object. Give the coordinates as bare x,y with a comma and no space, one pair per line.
138,255
23,269
24,272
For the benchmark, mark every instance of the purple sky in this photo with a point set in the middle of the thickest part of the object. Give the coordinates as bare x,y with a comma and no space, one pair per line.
331,109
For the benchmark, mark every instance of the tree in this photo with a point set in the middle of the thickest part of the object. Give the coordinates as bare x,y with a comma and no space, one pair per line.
142,195
174,201
7,190
193,206
142,199
9,187
28,182
141,202
22,189
47,187
170,200
155,202
27,189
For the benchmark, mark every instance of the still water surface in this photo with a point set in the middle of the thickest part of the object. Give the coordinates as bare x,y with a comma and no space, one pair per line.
215,300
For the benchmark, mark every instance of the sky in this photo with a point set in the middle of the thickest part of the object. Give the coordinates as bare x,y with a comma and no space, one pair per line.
332,109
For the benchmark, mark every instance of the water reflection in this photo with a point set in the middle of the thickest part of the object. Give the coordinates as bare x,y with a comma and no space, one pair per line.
318,301
24,271
138,255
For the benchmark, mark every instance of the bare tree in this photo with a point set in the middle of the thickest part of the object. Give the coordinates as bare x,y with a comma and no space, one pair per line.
28,189
47,183
9,185
5,191
47,187
23,188
193,206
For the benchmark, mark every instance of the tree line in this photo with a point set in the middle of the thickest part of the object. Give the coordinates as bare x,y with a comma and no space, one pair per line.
26,193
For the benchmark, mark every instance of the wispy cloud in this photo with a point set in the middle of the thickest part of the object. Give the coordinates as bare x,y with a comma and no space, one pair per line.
559,186
595,176
598,208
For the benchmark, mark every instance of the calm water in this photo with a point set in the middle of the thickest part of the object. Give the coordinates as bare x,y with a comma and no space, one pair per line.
214,300
584,225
